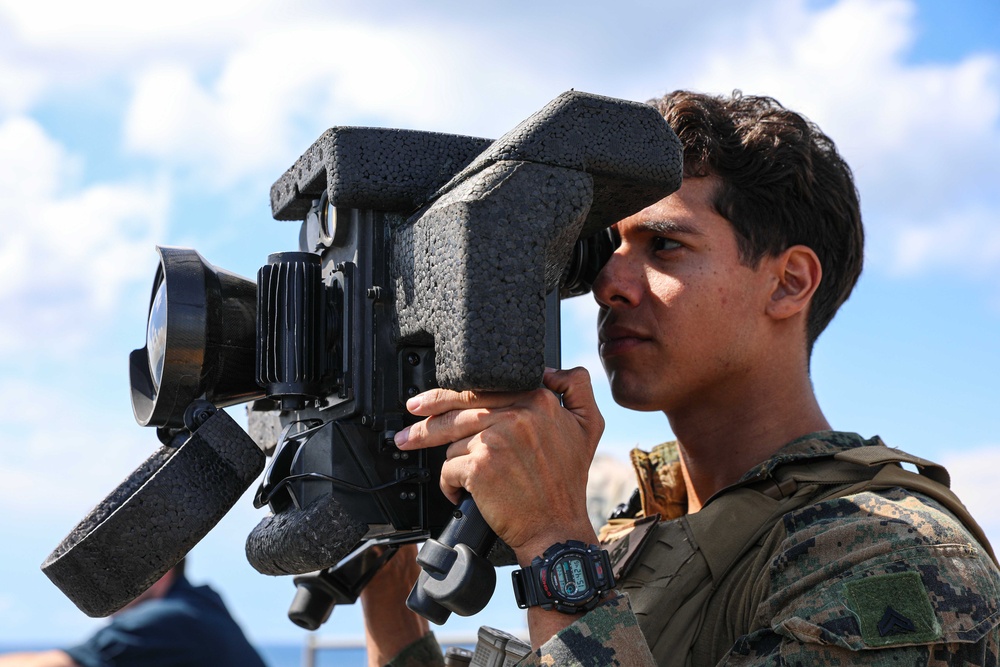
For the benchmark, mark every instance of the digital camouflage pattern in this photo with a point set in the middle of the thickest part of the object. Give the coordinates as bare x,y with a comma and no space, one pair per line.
425,652
607,636
877,577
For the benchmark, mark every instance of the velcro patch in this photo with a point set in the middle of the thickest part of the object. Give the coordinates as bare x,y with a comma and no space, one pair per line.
893,609
625,544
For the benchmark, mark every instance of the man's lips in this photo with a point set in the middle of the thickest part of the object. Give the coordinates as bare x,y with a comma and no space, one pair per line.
616,339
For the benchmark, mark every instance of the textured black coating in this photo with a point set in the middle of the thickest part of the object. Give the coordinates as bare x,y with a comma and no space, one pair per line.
154,517
484,243
299,541
472,269
634,157
372,168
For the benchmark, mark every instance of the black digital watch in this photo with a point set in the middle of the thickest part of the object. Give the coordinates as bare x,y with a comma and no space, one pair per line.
569,577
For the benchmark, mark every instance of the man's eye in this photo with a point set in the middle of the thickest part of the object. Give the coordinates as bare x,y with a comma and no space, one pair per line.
661,243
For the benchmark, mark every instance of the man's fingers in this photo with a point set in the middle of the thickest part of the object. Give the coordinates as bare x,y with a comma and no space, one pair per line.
574,386
454,415
445,428
439,401
578,398
453,476
458,448
575,381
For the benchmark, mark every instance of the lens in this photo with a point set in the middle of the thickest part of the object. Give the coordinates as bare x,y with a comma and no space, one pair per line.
156,334
201,340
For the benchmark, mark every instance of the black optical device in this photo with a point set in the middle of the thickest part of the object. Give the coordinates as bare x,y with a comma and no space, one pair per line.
424,260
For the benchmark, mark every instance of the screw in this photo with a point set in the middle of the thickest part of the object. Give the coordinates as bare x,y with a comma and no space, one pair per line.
374,293
411,391
413,358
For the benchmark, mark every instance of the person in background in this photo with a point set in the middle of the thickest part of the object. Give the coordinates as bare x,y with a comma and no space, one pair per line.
172,624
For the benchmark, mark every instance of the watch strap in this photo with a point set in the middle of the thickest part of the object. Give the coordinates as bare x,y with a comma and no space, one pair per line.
525,594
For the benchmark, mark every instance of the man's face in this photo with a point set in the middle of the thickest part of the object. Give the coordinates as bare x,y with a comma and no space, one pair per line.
681,319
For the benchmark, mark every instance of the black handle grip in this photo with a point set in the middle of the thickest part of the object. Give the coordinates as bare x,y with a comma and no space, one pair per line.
468,526
457,576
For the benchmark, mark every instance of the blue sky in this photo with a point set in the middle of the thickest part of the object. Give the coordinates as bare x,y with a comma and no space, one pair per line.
123,126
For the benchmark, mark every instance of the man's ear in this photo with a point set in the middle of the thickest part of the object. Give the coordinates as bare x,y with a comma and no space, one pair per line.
797,272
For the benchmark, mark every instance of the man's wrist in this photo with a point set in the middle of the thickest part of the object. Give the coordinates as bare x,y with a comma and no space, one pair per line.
569,577
537,545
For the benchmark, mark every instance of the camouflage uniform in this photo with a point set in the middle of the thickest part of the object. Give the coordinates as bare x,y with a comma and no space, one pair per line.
829,576
425,652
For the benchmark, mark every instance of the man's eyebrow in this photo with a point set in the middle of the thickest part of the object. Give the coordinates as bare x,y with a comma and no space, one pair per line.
668,227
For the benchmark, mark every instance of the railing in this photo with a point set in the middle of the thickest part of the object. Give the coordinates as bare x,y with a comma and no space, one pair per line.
315,643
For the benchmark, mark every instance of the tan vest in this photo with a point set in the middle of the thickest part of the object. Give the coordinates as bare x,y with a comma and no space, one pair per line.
681,588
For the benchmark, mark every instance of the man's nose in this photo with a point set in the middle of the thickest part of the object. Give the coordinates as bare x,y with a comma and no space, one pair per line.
614,286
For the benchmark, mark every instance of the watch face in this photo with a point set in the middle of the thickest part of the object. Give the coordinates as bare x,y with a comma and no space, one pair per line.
568,579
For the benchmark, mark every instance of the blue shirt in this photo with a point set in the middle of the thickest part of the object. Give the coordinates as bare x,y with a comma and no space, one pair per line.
188,626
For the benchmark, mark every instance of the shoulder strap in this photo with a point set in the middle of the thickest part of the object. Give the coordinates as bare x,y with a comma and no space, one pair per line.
932,481
876,467
878,455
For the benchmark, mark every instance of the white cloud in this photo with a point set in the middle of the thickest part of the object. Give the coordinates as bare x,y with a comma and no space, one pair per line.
236,91
967,240
62,467
67,250
119,26
20,85
250,117
973,479
919,136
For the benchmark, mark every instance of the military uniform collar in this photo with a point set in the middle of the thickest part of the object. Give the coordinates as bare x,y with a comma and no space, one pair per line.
822,444
661,487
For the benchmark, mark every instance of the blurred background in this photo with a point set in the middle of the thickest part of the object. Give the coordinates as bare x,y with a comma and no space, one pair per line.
124,125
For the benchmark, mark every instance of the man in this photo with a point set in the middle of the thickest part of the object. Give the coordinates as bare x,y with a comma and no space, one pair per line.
172,624
780,541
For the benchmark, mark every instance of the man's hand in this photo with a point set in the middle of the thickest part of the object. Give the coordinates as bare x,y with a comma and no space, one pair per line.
522,456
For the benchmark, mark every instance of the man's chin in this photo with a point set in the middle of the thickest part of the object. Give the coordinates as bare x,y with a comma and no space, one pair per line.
633,398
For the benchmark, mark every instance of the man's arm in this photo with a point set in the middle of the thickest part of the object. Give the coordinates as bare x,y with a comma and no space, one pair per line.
54,658
390,626
524,457
608,635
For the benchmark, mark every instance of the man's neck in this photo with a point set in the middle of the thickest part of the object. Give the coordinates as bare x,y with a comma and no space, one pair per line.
719,443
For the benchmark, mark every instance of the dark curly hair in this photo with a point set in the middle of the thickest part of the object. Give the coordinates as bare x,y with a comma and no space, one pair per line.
782,183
